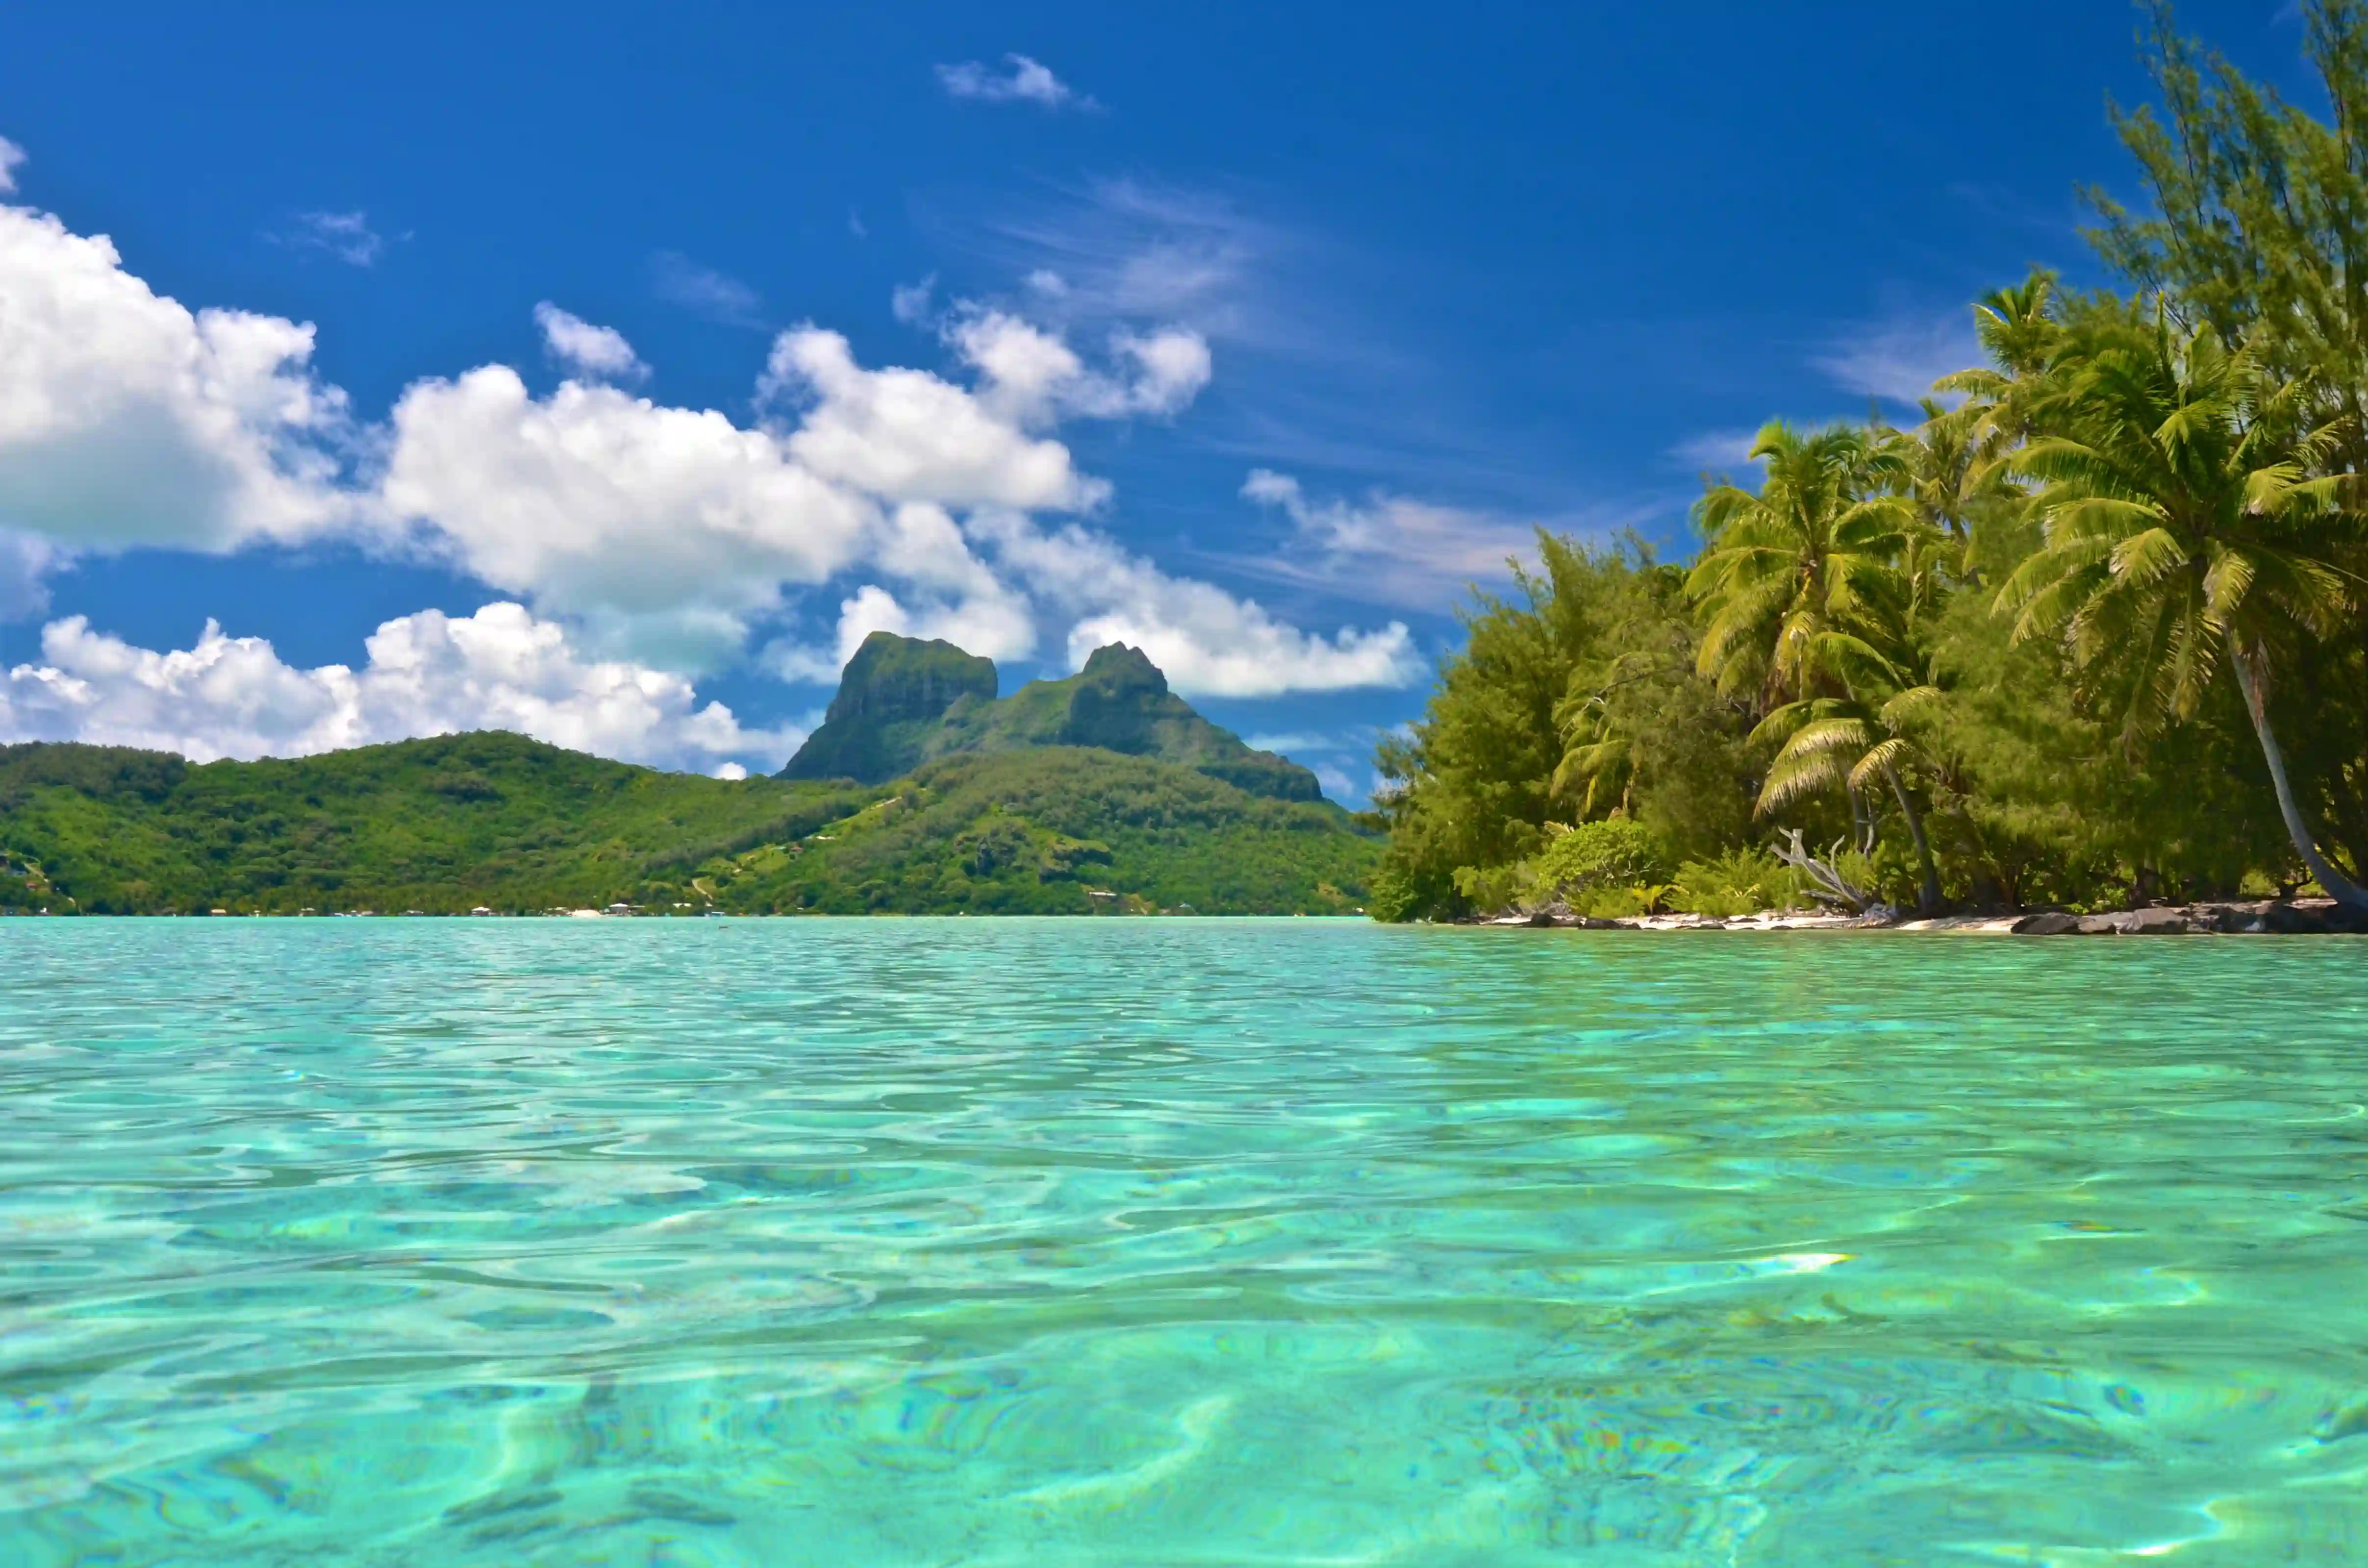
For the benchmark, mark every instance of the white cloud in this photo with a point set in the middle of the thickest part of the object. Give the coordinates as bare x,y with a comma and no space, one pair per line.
1339,785
1899,359
593,352
909,302
1388,549
1717,451
1289,741
908,436
126,420
660,534
1025,82
25,561
1032,375
345,235
12,158
949,593
1208,641
1172,366
428,673
593,501
705,291
1124,251
1025,368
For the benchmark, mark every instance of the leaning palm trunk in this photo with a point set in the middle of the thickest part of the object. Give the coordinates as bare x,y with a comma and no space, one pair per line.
2344,891
1928,895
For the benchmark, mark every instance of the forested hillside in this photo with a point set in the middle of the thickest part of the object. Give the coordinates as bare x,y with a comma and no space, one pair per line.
446,825
1066,830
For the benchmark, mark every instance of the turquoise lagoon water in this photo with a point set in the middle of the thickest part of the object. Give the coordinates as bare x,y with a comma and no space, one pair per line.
945,1243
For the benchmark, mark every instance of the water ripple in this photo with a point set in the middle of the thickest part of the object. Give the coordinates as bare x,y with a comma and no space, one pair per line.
983,1243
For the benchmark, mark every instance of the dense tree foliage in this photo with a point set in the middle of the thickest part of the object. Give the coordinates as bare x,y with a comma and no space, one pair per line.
2095,631
446,825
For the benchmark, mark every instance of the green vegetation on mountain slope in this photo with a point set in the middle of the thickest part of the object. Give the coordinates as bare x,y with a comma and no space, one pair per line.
444,824
1065,830
438,825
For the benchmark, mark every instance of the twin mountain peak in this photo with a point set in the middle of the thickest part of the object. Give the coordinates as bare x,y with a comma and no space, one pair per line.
903,702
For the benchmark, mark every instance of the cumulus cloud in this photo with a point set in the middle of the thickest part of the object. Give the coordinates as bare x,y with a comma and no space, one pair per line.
1032,375
1025,80
426,674
347,236
592,500
657,536
588,352
910,436
1208,641
948,592
705,291
12,157
126,419
1388,549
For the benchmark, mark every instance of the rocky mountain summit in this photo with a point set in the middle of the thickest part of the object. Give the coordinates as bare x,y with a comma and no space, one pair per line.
903,702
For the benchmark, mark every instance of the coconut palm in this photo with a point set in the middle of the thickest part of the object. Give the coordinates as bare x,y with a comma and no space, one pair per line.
2189,531
1854,742
1806,594
1804,569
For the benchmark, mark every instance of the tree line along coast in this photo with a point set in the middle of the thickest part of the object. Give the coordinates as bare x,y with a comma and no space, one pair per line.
2089,635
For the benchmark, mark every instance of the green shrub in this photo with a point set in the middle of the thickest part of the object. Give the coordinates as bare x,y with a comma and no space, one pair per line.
1622,903
1493,888
1740,881
1596,856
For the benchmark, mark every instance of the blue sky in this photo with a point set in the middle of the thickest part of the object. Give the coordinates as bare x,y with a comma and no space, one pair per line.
659,351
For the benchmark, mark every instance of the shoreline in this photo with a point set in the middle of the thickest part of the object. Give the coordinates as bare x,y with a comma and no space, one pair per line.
2223,917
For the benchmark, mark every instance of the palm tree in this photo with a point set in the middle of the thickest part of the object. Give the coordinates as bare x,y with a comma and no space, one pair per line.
1853,742
2185,531
1805,600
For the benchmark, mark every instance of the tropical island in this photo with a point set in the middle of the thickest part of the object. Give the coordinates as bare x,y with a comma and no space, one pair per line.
2091,635
921,793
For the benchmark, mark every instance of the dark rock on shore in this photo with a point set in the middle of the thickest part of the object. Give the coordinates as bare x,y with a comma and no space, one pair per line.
2317,916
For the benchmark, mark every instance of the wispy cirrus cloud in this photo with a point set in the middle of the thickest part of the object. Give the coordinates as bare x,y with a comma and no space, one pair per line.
347,236
1715,450
1898,359
1022,81
12,157
1386,549
702,290
1128,250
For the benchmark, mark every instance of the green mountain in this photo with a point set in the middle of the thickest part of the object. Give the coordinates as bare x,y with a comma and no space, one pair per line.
901,703
446,825
1063,830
